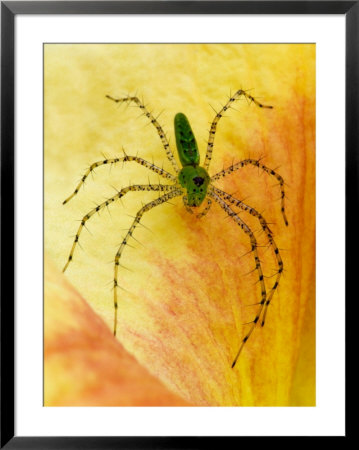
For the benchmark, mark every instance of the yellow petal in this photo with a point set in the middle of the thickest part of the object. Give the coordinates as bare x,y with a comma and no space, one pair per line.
84,365
185,295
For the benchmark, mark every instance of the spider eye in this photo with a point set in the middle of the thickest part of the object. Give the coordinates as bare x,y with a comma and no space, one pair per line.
198,181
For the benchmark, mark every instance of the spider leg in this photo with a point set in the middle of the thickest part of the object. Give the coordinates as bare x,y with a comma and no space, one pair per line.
120,194
190,209
163,173
255,162
163,199
258,266
153,120
206,209
186,205
213,129
229,198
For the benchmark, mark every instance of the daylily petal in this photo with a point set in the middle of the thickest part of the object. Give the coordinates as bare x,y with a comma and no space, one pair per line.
84,365
185,295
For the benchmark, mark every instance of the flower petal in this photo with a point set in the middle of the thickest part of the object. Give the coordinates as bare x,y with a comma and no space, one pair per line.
185,295
84,364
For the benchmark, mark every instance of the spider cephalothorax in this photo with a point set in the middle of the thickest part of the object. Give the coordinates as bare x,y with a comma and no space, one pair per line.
195,180
193,183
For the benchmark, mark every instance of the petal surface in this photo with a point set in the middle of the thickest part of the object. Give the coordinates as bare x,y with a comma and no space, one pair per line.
83,364
187,284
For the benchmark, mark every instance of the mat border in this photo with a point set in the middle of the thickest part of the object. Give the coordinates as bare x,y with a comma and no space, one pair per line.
9,10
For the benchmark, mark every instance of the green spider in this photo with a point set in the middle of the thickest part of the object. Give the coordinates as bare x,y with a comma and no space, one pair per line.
195,185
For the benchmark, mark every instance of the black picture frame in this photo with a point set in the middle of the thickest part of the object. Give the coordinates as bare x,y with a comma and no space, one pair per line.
9,10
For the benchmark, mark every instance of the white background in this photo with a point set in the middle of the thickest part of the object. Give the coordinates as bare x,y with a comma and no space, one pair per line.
327,418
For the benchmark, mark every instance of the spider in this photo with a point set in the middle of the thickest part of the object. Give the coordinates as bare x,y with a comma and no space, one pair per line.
197,187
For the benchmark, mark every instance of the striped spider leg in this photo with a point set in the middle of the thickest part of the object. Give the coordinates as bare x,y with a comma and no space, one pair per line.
222,197
213,193
264,306
255,213
212,131
173,191
154,122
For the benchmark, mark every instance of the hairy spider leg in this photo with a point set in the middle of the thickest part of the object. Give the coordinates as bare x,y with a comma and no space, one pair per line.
186,205
258,266
206,209
155,123
213,129
163,173
121,193
163,199
190,210
255,162
269,234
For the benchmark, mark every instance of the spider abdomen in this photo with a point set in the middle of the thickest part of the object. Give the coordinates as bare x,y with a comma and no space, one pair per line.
186,142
